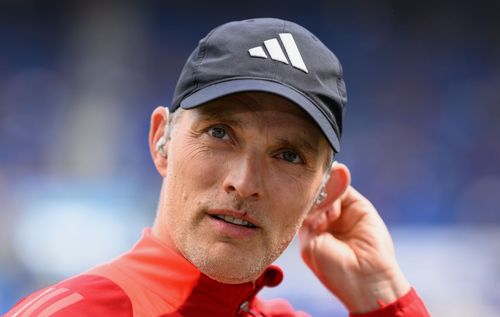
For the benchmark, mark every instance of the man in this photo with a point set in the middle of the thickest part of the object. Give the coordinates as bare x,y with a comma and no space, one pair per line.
246,154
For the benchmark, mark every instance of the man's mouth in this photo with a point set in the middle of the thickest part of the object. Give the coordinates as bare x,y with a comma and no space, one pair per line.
234,221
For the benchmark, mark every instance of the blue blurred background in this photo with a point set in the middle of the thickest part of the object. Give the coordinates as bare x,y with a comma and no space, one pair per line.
79,80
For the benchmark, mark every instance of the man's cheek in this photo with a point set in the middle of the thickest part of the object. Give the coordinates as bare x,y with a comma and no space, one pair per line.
291,215
199,168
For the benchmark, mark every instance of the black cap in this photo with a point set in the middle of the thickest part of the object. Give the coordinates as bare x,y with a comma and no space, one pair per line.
266,55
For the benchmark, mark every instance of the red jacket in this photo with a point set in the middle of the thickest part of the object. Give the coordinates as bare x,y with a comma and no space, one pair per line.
153,280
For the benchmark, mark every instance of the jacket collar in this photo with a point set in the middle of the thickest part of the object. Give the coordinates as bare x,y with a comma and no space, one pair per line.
165,272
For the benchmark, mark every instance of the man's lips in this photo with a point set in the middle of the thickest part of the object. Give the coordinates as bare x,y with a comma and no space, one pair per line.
239,218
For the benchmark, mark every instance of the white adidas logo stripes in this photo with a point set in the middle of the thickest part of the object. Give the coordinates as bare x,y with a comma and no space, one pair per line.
274,49
49,302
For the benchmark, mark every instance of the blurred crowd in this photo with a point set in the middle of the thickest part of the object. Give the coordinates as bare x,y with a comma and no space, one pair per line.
79,80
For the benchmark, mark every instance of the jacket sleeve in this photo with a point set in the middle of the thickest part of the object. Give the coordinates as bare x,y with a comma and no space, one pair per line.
410,305
81,296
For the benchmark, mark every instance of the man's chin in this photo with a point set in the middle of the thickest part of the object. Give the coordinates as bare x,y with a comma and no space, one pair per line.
228,264
228,278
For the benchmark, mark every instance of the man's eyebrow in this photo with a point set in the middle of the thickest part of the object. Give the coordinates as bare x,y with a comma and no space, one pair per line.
300,144
214,114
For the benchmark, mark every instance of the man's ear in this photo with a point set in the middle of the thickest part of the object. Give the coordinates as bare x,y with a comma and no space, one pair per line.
338,181
157,143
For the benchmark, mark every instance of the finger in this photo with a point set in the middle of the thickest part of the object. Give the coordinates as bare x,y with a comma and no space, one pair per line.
322,217
351,196
325,219
334,213
352,207
320,222
342,214
305,240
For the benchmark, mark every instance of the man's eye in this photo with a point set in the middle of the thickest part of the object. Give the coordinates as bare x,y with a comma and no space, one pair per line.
290,156
218,132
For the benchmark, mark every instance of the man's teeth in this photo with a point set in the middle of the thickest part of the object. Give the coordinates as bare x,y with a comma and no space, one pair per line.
235,221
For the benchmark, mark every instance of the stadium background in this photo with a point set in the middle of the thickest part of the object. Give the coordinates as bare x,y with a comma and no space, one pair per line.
79,79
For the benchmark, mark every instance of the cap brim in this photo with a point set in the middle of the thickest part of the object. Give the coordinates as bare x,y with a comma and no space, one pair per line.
225,88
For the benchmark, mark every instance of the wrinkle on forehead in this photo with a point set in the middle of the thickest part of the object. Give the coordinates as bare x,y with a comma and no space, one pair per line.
255,103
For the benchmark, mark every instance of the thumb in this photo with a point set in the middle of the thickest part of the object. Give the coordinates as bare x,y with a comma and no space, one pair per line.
321,250
320,220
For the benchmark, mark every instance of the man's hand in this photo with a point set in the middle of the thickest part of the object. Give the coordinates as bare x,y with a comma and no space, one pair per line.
348,247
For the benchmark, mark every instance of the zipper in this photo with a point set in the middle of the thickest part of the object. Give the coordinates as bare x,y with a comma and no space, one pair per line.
246,311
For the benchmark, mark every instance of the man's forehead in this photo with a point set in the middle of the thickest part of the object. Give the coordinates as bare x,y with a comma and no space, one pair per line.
253,102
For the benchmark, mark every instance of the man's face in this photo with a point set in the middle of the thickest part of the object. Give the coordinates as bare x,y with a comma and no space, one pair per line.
242,173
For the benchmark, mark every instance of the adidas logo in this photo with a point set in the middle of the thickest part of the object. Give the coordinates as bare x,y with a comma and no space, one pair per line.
274,49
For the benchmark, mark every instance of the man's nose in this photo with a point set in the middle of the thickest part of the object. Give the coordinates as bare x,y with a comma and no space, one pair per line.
245,178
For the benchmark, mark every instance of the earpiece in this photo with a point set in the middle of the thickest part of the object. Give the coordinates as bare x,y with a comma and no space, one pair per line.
322,194
321,197
160,146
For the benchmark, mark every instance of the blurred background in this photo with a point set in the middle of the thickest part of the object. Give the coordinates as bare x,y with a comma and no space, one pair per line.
79,80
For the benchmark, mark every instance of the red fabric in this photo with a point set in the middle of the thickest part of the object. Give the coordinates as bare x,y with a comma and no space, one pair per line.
88,296
153,280
410,305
